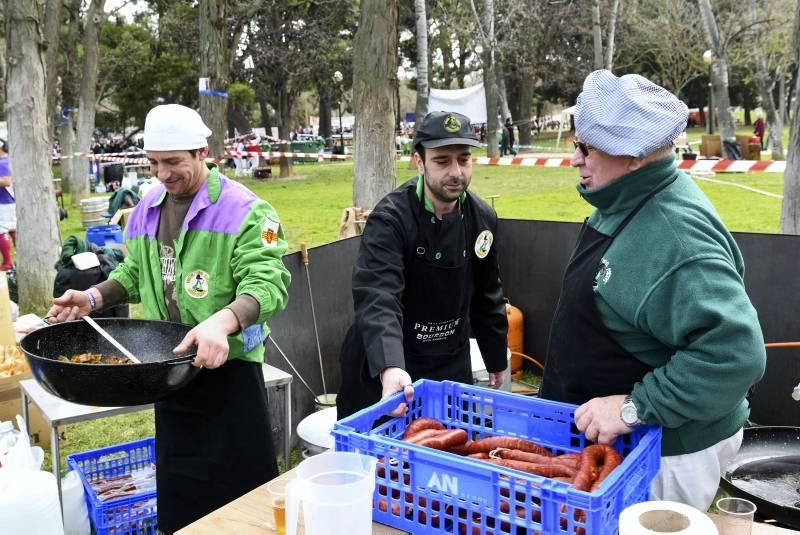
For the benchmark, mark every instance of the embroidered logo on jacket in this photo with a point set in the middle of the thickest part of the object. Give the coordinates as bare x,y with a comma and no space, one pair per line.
484,243
196,284
269,233
603,272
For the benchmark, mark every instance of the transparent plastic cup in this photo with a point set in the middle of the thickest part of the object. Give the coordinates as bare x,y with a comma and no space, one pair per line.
736,516
277,500
335,490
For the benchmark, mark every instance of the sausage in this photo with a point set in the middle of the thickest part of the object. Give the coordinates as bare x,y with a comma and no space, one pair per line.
447,440
511,443
570,459
422,435
479,455
544,470
421,424
611,460
597,462
519,455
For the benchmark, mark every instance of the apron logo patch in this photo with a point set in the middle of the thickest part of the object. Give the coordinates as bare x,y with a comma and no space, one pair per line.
196,284
484,243
435,331
603,272
269,233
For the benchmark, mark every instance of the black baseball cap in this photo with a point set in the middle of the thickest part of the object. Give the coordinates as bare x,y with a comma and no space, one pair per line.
442,128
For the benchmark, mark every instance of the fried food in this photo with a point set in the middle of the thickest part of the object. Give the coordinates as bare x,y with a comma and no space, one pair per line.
12,361
94,358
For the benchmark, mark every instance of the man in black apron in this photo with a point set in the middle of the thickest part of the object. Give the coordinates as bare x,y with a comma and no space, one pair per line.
204,251
653,324
426,274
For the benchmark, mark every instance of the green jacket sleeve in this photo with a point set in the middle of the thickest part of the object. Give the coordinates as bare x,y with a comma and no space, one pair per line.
257,262
701,310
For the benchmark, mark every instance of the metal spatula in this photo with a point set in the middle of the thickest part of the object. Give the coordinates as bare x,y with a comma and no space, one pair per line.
111,339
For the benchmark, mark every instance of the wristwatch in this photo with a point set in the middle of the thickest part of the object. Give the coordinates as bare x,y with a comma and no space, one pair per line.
628,413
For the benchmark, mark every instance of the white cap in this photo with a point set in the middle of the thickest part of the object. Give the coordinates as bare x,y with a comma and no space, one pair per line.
627,116
174,127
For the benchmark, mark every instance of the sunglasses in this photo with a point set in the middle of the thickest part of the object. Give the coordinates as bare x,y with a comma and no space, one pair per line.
583,147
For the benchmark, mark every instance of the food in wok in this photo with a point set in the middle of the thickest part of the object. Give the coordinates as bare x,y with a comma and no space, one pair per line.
94,358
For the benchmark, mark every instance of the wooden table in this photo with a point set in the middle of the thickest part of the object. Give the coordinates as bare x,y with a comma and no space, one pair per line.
252,515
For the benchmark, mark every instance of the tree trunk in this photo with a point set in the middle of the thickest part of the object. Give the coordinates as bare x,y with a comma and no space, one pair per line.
502,94
525,87
285,128
489,77
324,112
790,208
597,35
79,187
51,34
782,98
263,105
612,28
37,247
421,108
375,64
69,81
214,66
719,77
774,126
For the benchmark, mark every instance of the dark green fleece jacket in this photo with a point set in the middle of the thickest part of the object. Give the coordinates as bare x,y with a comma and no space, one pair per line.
672,294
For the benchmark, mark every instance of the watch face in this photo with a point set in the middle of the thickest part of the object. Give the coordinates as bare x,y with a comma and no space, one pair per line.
628,414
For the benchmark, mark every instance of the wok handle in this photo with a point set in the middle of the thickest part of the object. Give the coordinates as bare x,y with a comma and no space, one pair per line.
180,360
782,344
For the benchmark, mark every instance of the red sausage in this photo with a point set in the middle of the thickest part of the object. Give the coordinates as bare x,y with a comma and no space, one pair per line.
447,440
511,443
421,424
544,470
424,434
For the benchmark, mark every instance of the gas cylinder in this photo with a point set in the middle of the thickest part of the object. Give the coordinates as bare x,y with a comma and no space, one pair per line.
515,335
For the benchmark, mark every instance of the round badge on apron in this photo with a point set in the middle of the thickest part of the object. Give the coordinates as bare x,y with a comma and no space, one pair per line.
196,284
483,244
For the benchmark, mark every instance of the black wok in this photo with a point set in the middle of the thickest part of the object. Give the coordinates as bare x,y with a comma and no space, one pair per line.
110,385
766,471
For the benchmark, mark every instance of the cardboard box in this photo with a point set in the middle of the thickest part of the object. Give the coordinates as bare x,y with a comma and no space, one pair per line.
121,217
38,428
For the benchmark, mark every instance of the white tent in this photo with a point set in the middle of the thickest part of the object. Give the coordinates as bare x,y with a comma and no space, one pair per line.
565,118
470,101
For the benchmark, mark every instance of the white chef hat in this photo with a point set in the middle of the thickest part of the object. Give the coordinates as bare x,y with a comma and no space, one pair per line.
174,127
627,116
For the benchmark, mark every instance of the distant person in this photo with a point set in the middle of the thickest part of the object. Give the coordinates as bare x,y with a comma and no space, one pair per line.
759,127
653,324
8,210
508,138
255,152
240,159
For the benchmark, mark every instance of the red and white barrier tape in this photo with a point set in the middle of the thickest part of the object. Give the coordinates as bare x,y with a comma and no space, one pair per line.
717,166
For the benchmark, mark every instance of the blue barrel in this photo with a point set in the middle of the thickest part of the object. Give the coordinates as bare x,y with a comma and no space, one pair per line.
102,234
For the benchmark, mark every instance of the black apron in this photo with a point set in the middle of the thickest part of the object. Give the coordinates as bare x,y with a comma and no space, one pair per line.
213,443
436,301
583,359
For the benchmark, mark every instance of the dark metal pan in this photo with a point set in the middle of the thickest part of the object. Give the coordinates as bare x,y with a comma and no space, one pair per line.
766,471
110,385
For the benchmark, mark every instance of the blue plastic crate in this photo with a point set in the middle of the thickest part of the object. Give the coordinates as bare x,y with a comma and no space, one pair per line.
127,515
421,490
103,234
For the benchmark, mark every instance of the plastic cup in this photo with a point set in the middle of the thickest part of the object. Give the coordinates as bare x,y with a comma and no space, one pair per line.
736,516
277,500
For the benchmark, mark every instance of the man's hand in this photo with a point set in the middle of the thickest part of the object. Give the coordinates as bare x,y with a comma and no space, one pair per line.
395,380
600,421
496,379
72,305
211,339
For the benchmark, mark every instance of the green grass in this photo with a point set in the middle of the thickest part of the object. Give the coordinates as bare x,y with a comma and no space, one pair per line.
311,203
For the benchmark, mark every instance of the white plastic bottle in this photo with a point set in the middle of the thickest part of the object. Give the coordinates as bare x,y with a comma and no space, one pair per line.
8,437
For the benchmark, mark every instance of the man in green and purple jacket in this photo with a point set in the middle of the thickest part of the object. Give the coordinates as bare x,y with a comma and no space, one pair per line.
204,251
